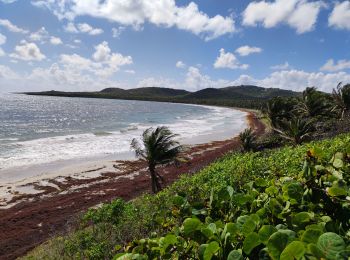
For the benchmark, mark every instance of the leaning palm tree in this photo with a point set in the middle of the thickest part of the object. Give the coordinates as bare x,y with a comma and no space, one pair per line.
341,99
158,147
278,109
313,103
248,140
295,130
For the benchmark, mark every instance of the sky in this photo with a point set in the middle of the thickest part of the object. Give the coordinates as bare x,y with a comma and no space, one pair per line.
87,45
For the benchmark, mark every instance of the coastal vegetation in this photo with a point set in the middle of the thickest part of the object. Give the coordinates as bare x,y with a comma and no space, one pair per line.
291,202
158,147
270,201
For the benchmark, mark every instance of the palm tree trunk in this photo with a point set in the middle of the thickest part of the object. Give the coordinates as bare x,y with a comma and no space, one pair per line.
152,172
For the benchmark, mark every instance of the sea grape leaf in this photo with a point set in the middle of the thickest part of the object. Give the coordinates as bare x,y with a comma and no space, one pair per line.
311,235
235,255
294,250
331,244
191,225
338,163
260,182
315,251
211,249
250,242
168,240
293,191
248,227
301,219
265,232
278,241
336,191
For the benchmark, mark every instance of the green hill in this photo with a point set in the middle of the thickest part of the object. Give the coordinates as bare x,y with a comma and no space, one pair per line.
240,96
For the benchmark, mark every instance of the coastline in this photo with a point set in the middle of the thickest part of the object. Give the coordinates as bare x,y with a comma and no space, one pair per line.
29,223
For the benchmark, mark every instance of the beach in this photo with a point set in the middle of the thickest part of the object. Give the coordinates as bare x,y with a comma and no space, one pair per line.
29,219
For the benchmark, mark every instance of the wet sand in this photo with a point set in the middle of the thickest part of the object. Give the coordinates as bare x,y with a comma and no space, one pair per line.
31,219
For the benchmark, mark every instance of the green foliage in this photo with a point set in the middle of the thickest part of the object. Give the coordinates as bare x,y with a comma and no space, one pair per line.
294,217
107,213
239,195
248,140
296,130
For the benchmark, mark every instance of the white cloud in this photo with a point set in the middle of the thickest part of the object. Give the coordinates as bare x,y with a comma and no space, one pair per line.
228,60
70,27
104,62
55,40
8,1
86,28
7,74
164,13
27,51
117,31
340,65
82,28
299,14
39,36
180,65
11,27
247,50
296,80
2,39
284,66
130,71
340,16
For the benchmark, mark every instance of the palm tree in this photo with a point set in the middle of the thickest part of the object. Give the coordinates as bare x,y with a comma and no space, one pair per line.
248,140
295,130
158,147
341,99
278,109
313,103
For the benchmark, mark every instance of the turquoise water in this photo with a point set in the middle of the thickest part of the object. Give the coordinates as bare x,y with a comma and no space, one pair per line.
35,130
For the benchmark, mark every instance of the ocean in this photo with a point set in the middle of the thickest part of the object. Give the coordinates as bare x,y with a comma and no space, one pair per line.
36,130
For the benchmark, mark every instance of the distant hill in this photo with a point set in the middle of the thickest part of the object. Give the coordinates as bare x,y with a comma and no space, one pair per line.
247,96
149,92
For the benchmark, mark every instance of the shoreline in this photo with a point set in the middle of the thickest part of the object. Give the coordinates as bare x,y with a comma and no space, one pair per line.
32,219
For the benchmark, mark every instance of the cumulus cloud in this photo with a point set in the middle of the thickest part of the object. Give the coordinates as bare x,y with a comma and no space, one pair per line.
164,13
2,41
340,16
296,80
27,51
11,27
330,65
82,28
116,31
228,60
247,50
298,14
284,66
180,65
55,40
71,72
104,62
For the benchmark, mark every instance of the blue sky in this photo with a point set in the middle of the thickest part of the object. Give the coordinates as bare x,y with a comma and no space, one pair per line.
91,44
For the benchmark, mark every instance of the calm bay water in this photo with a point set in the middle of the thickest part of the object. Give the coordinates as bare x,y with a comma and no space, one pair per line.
36,130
